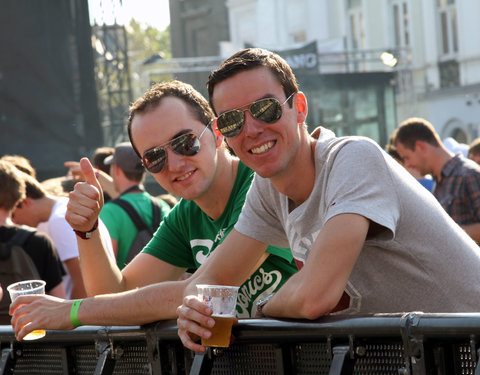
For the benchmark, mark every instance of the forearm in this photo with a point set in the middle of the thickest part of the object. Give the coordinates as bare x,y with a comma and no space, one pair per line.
293,300
100,272
155,302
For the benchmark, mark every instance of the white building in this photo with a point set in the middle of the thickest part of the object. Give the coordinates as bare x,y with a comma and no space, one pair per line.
436,44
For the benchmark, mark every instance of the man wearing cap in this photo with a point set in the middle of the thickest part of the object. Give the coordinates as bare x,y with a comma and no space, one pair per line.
128,174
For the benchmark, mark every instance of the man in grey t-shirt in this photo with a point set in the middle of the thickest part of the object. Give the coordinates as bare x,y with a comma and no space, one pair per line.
366,238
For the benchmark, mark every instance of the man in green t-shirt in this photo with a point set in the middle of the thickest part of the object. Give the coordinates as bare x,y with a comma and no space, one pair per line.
170,129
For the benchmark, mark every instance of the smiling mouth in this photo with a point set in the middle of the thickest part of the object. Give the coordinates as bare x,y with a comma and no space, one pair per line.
263,148
185,176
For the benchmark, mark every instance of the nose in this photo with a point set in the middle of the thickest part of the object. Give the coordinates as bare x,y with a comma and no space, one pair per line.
175,162
251,126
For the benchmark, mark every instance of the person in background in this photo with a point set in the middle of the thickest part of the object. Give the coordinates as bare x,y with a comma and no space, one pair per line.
426,181
21,163
474,150
128,173
457,179
46,212
37,246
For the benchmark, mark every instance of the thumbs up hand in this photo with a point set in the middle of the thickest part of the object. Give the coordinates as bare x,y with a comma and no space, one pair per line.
85,201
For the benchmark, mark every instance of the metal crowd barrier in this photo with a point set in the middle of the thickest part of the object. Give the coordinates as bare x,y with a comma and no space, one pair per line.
381,344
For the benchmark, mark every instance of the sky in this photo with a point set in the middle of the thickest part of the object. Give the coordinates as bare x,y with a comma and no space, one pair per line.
151,12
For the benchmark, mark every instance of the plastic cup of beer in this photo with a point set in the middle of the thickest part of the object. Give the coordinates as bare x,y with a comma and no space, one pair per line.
28,287
222,300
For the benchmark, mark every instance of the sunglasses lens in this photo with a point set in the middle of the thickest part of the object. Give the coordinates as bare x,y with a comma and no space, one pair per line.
266,110
230,123
154,160
186,145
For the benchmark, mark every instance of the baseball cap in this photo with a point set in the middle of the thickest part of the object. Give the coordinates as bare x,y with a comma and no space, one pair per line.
125,157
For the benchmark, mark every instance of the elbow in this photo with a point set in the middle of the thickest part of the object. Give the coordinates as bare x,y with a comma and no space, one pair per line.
314,306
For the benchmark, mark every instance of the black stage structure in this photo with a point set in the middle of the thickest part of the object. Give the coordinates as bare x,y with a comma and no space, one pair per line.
48,100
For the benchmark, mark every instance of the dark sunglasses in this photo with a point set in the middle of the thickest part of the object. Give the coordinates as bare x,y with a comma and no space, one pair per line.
268,110
155,159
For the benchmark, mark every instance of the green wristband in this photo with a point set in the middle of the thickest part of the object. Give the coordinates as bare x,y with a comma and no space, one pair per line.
74,313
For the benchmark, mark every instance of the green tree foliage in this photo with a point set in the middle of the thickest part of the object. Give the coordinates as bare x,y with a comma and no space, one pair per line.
145,41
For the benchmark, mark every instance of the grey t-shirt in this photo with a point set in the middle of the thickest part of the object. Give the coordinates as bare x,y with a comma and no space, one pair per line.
421,260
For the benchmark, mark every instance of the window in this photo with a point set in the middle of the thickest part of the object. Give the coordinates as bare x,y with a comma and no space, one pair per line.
401,23
448,27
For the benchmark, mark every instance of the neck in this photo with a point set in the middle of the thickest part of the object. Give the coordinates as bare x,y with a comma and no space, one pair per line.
215,199
440,156
297,180
5,218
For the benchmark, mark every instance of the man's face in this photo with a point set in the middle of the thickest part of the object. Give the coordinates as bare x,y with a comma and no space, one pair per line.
413,159
268,149
186,176
24,213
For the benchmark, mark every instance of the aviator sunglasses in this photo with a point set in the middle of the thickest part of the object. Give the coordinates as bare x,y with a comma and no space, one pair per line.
268,110
155,159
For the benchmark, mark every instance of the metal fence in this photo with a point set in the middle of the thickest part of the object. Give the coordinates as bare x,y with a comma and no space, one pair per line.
400,344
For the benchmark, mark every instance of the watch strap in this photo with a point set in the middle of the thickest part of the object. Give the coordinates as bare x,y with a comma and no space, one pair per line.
87,235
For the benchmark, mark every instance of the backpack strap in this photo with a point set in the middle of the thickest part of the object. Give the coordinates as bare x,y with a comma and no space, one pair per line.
132,212
19,238
156,214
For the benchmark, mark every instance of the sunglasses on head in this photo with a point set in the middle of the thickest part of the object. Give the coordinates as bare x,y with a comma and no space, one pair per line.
155,159
268,110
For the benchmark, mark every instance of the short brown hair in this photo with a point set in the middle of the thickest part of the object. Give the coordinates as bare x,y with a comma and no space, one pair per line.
415,129
12,189
21,163
181,90
250,58
474,147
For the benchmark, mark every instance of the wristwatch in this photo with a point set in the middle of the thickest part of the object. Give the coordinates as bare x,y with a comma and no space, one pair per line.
87,235
262,302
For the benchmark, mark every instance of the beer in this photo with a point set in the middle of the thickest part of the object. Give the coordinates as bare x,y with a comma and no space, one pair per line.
221,332
37,334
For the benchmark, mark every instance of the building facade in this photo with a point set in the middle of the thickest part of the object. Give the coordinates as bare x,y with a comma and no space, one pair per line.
431,47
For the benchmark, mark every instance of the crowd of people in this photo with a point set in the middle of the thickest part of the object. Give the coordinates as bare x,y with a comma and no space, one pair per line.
306,224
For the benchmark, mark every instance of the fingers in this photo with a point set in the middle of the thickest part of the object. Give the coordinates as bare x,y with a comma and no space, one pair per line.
90,177
193,321
35,312
74,171
85,201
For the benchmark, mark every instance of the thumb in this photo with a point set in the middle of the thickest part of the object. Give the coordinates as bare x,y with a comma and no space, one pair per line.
89,174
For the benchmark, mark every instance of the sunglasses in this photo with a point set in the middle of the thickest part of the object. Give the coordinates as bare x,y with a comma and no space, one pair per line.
155,159
268,110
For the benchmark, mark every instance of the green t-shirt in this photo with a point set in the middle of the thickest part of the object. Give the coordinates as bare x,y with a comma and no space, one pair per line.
121,227
187,236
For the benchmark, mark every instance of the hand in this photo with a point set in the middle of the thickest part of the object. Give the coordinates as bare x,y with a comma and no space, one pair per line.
192,315
31,312
74,171
86,200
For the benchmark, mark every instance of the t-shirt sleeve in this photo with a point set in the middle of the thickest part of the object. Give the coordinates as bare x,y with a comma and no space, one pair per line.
360,182
168,242
259,218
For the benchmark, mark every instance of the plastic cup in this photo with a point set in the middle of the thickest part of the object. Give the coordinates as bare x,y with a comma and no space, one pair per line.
28,287
222,300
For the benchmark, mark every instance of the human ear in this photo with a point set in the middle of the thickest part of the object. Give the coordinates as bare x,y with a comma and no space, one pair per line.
302,107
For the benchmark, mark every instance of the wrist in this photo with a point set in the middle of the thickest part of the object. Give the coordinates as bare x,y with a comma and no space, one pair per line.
262,302
74,313
87,235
